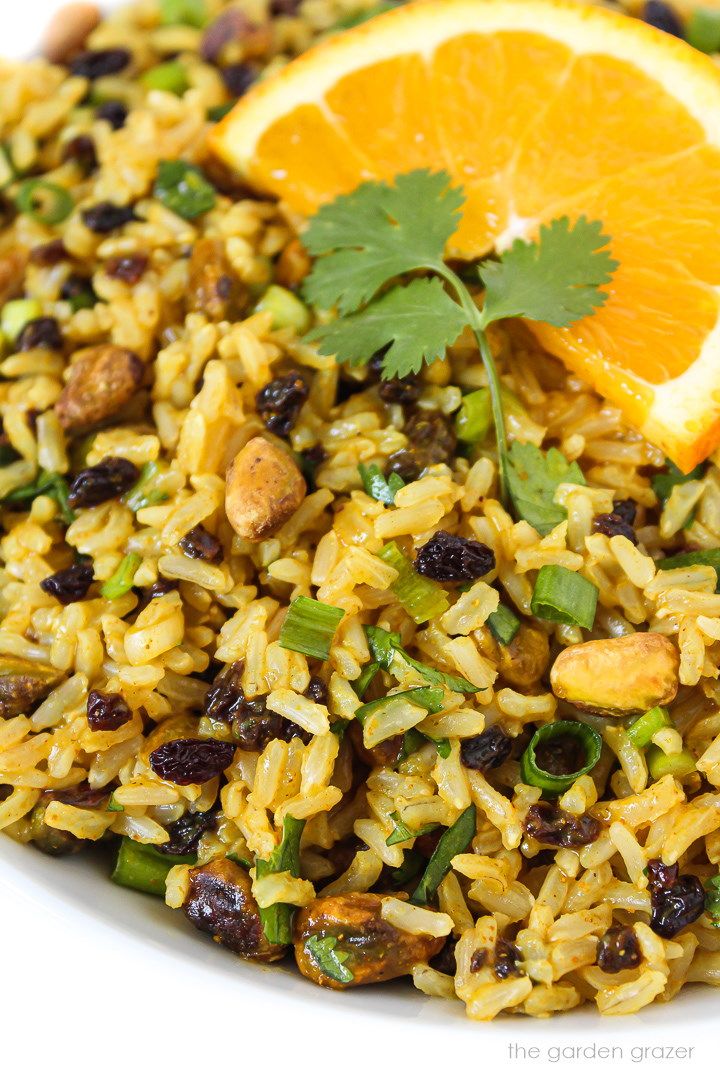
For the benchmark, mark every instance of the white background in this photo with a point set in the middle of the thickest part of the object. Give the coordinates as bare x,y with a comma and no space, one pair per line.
83,996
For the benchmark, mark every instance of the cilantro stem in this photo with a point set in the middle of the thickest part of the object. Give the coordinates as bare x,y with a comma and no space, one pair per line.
477,325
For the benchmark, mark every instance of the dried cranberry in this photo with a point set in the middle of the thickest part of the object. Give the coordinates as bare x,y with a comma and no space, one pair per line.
114,112
49,254
253,724
676,906
399,391
185,833
107,712
104,217
41,333
81,150
486,750
192,761
317,690
239,78
201,544
618,950
280,402
446,557
660,875
625,509
127,268
507,958
69,586
110,478
614,525
662,17
95,63
550,825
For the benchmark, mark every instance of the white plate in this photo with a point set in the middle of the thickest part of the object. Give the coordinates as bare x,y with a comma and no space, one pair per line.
158,939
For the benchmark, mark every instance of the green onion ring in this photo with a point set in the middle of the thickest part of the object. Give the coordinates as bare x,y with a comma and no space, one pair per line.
44,202
552,783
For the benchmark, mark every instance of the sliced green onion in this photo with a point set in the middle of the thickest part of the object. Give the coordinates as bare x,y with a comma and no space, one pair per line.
442,746
564,596
286,309
15,316
122,580
239,860
422,598
46,483
310,626
709,557
216,113
503,624
473,419
44,202
183,188
170,77
384,645
453,842
277,919
143,868
413,740
703,30
641,731
377,487
661,764
183,13
429,698
332,960
712,899
366,676
142,494
589,742
114,806
403,832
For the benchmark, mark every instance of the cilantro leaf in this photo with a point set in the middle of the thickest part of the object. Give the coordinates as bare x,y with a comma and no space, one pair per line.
377,232
554,279
533,478
331,960
420,320
663,483
377,486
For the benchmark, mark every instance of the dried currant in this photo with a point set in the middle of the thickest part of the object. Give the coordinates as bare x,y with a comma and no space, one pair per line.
185,833
105,217
486,750
550,825
507,958
677,905
107,712
110,478
41,333
201,544
70,585
399,391
660,875
614,525
317,690
618,950
192,761
96,63
82,151
280,401
626,509
446,557
253,724
239,77
127,268
114,112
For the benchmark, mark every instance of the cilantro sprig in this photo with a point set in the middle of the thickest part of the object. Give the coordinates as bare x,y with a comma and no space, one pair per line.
364,242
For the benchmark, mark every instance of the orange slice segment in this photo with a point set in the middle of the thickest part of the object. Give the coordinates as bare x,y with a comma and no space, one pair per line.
537,108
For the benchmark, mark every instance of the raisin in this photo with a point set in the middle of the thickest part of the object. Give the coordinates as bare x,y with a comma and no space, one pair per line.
49,254
431,436
69,586
81,150
625,509
253,724
81,795
127,268
185,833
446,557
507,958
230,25
399,391
107,480
662,17
239,77
192,761
104,217
660,875
614,525
279,402
406,464
41,333
550,825
284,7
486,750
309,461
618,950
114,112
479,960
160,588
317,690
77,288
95,63
107,712
201,544
677,905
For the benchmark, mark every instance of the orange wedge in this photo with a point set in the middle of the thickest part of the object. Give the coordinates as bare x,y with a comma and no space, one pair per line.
538,108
